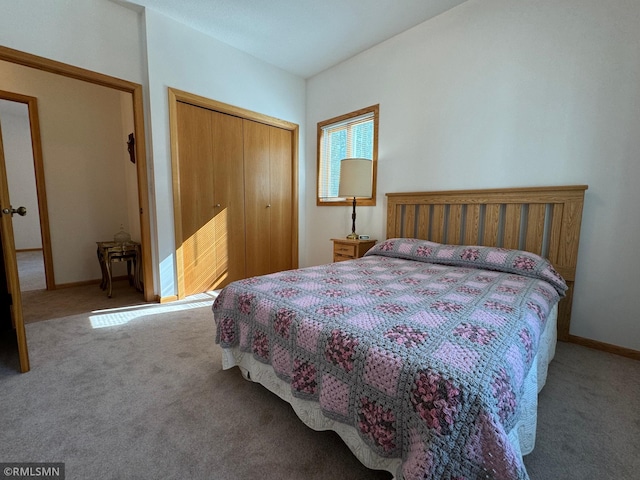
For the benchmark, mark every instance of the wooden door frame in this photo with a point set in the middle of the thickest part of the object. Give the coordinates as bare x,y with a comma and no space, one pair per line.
11,266
43,211
176,96
135,89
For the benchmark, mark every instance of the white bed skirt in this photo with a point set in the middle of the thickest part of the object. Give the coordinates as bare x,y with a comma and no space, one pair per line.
522,435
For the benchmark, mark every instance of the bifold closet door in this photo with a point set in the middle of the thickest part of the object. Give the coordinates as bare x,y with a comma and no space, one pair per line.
281,190
268,198
228,190
210,245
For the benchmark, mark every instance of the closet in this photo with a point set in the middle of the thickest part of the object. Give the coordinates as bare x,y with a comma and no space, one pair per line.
234,187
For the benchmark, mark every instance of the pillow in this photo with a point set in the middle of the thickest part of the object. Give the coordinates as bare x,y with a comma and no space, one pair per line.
489,258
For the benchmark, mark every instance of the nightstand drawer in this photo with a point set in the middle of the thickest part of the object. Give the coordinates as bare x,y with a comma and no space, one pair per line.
347,249
344,250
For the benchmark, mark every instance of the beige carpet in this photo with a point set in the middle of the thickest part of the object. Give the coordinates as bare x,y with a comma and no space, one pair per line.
31,270
123,389
39,304
138,392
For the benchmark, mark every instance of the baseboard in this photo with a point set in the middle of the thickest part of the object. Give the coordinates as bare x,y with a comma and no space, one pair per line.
171,298
606,347
87,282
76,284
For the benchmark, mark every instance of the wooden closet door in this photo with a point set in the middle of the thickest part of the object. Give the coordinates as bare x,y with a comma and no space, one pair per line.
257,197
209,173
281,193
268,153
195,184
228,188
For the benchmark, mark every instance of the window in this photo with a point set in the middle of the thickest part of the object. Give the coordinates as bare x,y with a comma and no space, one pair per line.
354,135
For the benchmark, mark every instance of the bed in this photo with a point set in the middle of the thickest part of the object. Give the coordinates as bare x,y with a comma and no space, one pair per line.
426,355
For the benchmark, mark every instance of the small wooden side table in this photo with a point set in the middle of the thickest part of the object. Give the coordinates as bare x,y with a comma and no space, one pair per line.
346,249
129,252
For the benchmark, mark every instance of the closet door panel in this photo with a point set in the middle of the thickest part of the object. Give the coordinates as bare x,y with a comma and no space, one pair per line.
196,252
228,187
281,189
257,198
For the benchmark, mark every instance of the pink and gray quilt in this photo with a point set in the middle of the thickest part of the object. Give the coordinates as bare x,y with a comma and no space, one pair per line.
422,347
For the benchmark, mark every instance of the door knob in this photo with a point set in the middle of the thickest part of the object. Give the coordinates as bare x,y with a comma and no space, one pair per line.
10,211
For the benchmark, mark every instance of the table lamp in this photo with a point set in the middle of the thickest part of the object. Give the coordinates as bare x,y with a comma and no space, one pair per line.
355,181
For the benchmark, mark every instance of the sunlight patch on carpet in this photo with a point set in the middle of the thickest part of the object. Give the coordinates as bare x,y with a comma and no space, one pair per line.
120,316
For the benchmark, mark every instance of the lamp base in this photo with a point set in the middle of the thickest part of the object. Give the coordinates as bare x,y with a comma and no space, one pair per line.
353,236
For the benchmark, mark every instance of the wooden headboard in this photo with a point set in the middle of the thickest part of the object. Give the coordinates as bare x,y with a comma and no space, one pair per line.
542,220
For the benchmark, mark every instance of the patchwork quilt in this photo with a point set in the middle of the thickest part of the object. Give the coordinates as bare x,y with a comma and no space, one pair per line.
422,347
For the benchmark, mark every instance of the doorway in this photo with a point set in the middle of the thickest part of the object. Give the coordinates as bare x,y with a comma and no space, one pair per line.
23,152
90,179
138,149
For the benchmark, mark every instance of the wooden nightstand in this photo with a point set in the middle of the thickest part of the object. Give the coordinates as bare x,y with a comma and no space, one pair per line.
345,249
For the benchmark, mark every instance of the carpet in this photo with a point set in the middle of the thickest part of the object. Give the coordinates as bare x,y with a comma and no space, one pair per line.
138,392
31,270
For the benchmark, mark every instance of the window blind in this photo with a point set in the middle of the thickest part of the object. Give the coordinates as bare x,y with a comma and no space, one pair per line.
350,138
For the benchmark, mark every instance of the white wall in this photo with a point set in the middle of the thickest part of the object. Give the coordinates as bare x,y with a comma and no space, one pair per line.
182,58
496,93
18,156
83,156
94,34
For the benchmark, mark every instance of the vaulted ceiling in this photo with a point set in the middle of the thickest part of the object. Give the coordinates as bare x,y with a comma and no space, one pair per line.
303,37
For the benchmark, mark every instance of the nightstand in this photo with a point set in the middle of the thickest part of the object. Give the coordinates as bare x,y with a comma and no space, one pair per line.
345,249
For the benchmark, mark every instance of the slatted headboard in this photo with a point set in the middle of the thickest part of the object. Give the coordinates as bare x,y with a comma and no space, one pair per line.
542,220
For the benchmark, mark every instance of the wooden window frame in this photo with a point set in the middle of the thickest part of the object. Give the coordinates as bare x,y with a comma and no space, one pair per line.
375,109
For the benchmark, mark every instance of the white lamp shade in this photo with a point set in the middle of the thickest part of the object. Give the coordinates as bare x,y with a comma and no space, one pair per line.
356,176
